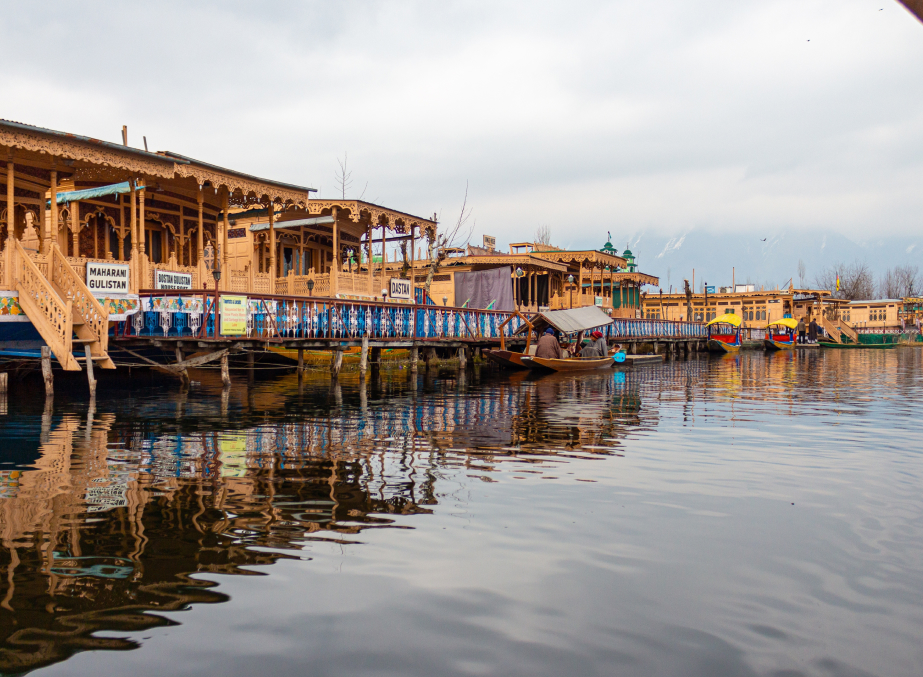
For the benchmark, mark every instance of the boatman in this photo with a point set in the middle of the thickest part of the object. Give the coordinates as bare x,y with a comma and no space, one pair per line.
801,330
548,346
599,342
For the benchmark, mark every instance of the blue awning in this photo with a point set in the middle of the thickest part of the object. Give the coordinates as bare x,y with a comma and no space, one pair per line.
90,193
316,221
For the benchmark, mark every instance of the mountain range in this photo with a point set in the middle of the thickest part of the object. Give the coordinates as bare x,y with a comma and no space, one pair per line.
748,258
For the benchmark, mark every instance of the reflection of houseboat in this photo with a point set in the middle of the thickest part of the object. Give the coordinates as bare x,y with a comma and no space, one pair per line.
724,334
780,334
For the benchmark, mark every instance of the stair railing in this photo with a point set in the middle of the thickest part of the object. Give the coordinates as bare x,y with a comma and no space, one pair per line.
50,315
74,289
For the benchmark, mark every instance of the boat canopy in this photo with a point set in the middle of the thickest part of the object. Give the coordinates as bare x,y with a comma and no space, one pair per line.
569,321
727,318
90,193
785,322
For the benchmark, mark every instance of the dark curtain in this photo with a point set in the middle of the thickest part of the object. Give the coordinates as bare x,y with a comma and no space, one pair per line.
484,286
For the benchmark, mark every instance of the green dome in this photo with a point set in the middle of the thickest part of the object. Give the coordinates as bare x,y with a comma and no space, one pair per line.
627,254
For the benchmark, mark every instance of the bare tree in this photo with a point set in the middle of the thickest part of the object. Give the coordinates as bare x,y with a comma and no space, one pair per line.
543,235
437,242
899,282
344,178
856,280
802,273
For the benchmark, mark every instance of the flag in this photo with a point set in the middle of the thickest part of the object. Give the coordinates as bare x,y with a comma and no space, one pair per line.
838,282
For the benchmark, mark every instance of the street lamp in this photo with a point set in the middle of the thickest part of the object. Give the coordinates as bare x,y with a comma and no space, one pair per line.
384,294
310,287
570,285
445,300
212,256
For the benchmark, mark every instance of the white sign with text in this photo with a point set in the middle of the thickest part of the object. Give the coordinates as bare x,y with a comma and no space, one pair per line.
400,289
167,279
107,277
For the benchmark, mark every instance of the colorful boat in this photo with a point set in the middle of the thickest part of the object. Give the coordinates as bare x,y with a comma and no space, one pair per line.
781,341
568,364
727,340
506,358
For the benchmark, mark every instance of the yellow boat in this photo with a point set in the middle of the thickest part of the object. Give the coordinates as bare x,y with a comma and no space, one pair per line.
724,342
774,341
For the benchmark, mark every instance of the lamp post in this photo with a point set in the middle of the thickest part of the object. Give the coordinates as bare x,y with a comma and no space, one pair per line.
384,294
570,286
310,287
445,301
518,273
212,256
706,302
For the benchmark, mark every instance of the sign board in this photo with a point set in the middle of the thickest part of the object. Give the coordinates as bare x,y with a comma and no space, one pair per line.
599,301
710,289
490,242
400,288
233,312
107,277
167,279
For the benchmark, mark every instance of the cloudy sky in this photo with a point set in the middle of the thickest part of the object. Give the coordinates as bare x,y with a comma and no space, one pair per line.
586,117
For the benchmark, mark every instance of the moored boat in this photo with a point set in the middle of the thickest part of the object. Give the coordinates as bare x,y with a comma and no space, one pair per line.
567,364
853,346
781,341
724,333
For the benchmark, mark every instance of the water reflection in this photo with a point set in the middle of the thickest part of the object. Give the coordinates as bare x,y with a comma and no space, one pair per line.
104,528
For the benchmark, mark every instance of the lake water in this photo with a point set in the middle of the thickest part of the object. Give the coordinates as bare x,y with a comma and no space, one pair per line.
751,515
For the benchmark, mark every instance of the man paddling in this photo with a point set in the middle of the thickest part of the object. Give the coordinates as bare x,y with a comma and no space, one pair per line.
548,346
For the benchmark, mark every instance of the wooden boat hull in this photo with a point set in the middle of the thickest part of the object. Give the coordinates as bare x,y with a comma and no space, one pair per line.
572,364
716,346
778,345
506,358
855,346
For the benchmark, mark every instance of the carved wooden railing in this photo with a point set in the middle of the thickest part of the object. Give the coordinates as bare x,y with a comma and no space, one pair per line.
95,317
50,315
239,281
260,283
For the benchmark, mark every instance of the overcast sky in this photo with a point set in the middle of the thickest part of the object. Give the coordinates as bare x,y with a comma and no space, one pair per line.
586,117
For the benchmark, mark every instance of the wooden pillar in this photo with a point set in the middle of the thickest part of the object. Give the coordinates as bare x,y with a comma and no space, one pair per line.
375,359
272,247
335,268
180,358
462,357
579,284
4,379
384,255
226,274
46,371
414,358
133,216
300,360
10,197
142,240
200,240
225,375
368,247
413,274
51,228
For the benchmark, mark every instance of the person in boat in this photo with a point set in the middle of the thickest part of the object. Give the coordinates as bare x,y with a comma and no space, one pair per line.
548,346
589,349
599,342
801,330
812,331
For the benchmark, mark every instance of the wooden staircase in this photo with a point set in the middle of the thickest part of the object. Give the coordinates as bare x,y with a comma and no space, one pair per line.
61,308
838,329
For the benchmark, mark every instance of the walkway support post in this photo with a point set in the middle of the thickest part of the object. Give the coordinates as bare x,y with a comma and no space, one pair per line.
414,358
364,356
4,378
91,380
46,371
225,375
336,362
300,361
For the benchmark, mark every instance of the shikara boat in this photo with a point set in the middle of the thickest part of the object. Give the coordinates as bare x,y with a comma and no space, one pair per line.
781,341
568,364
724,334
509,358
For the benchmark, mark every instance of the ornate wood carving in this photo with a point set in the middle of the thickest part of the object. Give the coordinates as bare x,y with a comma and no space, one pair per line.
72,149
246,186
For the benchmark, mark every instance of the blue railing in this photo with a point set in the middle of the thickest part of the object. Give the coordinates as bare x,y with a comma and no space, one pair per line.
278,318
